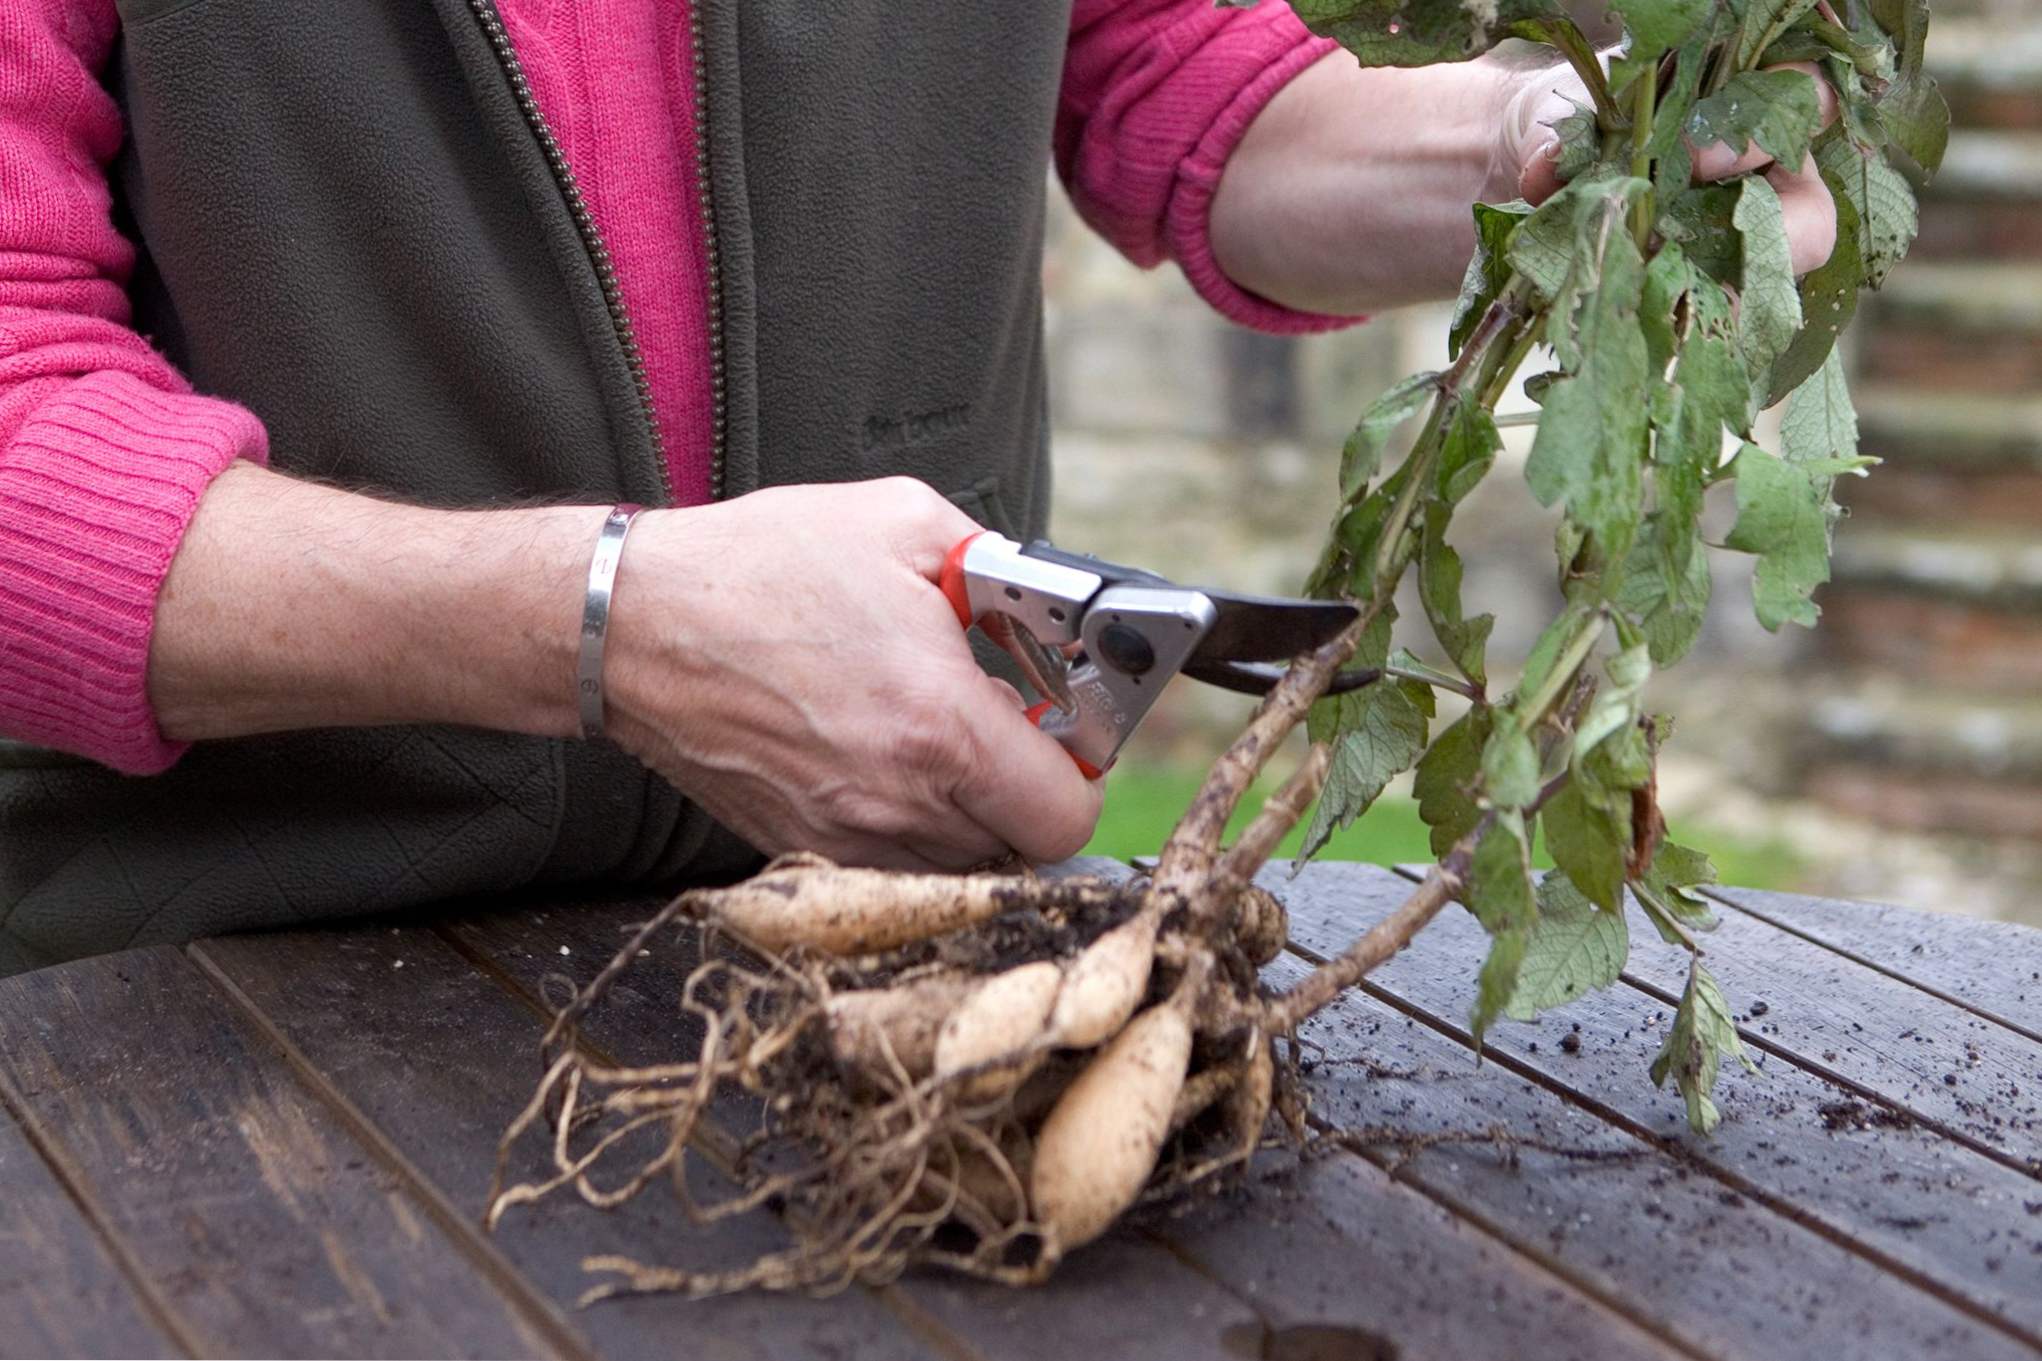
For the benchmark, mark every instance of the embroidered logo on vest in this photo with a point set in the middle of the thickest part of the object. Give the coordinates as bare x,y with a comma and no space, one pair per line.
901,432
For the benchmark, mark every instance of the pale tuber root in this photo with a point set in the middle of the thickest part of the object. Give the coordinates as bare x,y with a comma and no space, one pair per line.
872,1029
807,900
984,1045
1100,1143
1105,984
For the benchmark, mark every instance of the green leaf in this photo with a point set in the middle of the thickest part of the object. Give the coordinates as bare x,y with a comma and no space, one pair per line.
1472,443
1829,295
1590,844
1363,453
1381,734
1510,767
1497,983
1669,599
1580,142
1779,110
1784,515
1665,886
1417,32
1763,24
1703,1030
1575,949
1700,221
1488,267
1588,454
1656,28
1446,778
1439,589
1542,248
1912,109
1501,895
1891,219
1819,421
1772,302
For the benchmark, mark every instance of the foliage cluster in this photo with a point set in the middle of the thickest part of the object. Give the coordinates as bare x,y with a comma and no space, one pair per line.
1672,317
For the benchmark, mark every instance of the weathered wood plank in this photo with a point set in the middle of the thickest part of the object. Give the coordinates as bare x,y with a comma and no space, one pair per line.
264,1225
1993,968
61,1292
1337,1255
1796,1169
1975,1080
438,1059
1182,1312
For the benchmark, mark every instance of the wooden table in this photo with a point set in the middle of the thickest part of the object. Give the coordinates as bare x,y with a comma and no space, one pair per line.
278,1145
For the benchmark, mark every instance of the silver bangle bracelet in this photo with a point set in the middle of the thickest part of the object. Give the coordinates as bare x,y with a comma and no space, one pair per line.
595,616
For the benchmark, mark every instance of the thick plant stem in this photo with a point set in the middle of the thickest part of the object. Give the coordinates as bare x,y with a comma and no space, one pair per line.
1188,855
1379,943
1251,851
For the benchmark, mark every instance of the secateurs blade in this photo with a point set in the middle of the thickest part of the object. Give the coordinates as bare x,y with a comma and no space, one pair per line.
1101,640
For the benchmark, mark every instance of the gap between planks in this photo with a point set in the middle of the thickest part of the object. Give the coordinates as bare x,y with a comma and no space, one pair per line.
1814,1067
1687,1157
533,1305
1723,899
155,1307
717,1146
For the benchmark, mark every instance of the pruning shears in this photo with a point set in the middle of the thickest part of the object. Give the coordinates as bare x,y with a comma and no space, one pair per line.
1100,641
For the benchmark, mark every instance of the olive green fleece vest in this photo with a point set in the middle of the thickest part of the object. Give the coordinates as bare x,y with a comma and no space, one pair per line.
348,223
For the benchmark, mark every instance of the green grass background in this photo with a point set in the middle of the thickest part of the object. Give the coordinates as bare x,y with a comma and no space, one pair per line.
1144,801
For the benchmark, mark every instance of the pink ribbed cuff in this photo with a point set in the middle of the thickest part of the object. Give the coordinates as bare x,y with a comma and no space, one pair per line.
97,488
1188,219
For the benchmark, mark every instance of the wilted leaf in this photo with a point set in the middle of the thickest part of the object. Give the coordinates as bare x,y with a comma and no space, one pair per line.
1703,1029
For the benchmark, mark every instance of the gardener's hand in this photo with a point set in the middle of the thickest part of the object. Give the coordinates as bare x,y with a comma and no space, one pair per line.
786,660
1526,163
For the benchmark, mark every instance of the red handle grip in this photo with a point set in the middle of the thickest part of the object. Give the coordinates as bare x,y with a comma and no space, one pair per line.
951,579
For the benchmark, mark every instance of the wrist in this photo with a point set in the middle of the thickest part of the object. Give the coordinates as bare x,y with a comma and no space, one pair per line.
290,605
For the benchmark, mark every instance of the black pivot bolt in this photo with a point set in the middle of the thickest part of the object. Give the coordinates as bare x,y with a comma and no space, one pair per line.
1126,650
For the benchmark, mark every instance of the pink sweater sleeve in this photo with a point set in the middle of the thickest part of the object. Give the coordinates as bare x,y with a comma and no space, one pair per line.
104,448
1156,94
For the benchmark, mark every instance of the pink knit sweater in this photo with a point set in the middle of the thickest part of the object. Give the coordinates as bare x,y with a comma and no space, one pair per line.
105,450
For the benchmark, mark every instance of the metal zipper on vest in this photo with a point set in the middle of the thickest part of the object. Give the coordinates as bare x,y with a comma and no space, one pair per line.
585,224
710,255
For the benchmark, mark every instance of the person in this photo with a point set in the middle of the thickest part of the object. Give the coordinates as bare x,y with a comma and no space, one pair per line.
330,335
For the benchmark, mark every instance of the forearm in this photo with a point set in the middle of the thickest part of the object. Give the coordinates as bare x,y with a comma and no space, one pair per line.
1351,190
291,605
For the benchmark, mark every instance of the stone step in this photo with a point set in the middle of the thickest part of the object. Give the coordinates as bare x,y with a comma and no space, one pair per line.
1991,71
1959,608
1991,165
1999,570
1904,754
1987,202
1955,327
1952,431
